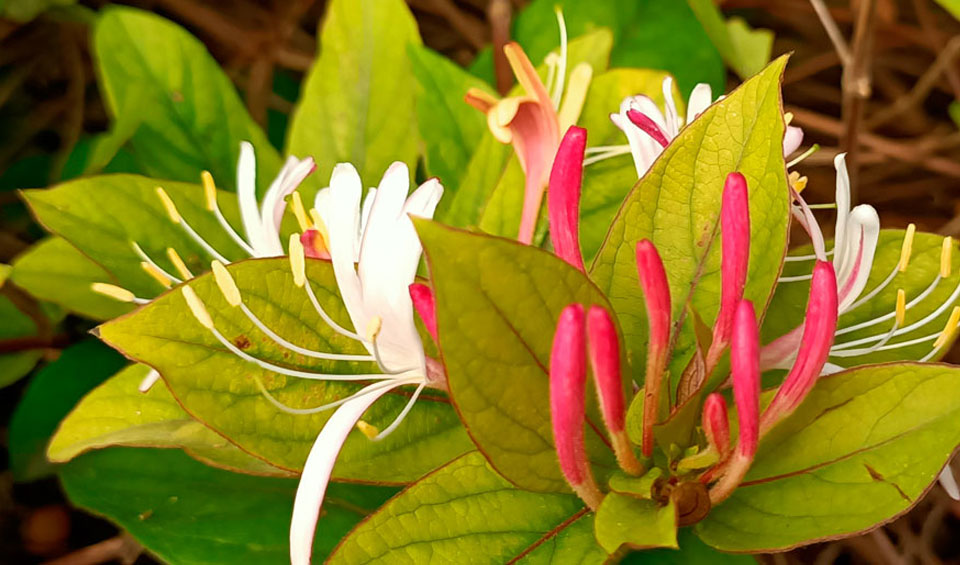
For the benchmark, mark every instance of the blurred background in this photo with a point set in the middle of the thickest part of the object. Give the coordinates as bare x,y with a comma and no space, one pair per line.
888,96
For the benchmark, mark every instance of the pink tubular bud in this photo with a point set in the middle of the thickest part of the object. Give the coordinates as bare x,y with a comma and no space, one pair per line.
423,302
605,362
715,424
563,196
745,371
818,333
656,296
648,126
735,255
568,375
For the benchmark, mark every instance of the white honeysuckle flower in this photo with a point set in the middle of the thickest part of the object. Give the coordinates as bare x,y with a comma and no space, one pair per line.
649,129
856,235
375,253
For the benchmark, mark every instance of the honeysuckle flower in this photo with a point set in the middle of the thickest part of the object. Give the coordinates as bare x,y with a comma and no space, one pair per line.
563,197
649,129
426,307
856,237
745,373
656,297
716,426
533,121
605,363
568,376
374,263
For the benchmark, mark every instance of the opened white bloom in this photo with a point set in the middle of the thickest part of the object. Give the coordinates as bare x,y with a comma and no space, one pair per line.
856,235
375,262
649,129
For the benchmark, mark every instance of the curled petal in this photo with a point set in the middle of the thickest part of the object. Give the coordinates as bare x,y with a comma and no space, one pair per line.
792,138
700,99
648,126
563,201
423,302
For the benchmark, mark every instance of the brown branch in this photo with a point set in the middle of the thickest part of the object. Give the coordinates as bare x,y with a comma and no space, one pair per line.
499,14
122,548
469,27
856,88
32,343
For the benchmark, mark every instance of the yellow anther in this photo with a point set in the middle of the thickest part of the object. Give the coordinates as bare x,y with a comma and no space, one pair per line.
196,307
373,328
946,257
788,117
297,261
907,248
225,283
113,291
368,430
577,88
321,227
154,272
178,264
796,181
299,212
209,189
901,306
948,330
169,205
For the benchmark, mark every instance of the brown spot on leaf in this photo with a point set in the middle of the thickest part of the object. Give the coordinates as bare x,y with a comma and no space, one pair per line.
241,341
875,475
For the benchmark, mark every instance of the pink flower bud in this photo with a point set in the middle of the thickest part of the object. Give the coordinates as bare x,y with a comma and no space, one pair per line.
423,302
715,424
563,196
745,371
648,126
656,296
568,375
735,255
818,333
605,362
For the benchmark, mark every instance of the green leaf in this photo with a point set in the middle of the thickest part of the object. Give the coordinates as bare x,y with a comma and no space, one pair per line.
497,305
487,165
4,273
789,301
652,34
116,413
358,104
638,487
606,183
15,324
745,50
103,215
463,512
50,395
502,211
623,520
220,389
573,543
677,205
187,513
191,116
26,10
861,449
55,271
692,552
450,128
952,6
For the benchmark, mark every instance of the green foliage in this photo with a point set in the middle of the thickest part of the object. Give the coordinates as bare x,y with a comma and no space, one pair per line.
861,449
635,522
677,206
190,116
463,512
745,50
790,299
190,513
55,271
50,395
497,304
116,413
358,104
220,389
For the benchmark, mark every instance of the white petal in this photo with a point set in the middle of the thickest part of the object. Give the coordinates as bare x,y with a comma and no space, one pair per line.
247,196
423,202
853,275
643,149
671,119
317,470
365,209
843,209
949,482
344,216
700,100
321,202
290,177
830,368
792,138
646,105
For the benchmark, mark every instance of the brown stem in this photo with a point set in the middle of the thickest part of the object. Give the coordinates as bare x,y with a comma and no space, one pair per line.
499,13
856,88
122,548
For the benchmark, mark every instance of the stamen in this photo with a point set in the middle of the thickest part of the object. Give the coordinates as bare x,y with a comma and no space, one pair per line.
147,383
197,308
804,155
614,152
210,190
203,243
226,284
906,248
299,211
368,430
797,182
810,257
926,292
156,274
403,413
178,264
949,329
946,263
857,352
562,63
146,259
787,118
375,387
551,62
297,260
321,227
827,206
168,204
901,306
796,278
117,293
